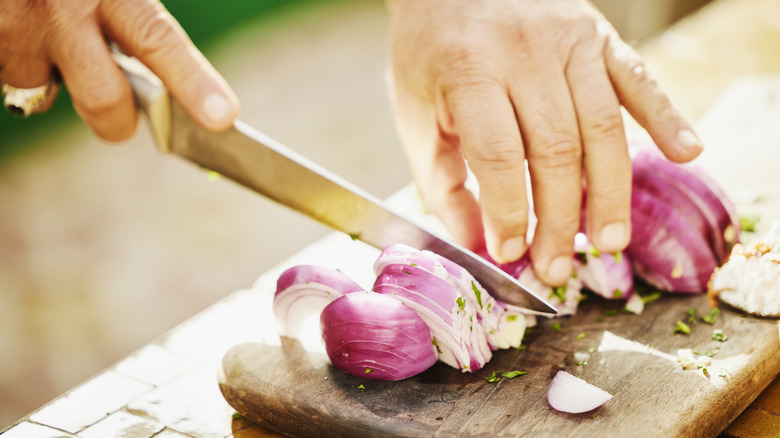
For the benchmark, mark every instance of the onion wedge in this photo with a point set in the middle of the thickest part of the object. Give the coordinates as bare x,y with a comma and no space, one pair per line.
573,395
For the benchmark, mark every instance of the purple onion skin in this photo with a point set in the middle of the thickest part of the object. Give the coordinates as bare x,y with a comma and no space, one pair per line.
665,250
332,278
376,337
694,195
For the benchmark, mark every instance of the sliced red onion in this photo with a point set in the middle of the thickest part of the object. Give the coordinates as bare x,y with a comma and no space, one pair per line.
694,195
665,249
376,337
573,395
609,275
303,291
467,323
565,298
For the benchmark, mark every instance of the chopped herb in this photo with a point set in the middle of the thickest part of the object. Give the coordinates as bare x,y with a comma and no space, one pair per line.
406,272
719,335
461,303
581,335
706,353
583,258
513,374
368,370
600,319
653,296
213,176
711,317
361,387
618,256
236,415
610,312
582,362
682,327
557,327
617,293
354,236
594,251
412,264
559,292
748,223
493,377
592,350
511,318
477,293
691,315
522,347
436,344
592,417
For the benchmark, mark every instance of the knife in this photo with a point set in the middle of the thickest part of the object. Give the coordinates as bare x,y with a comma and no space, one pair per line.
263,165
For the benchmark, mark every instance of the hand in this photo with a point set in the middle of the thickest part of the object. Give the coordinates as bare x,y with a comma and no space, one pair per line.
70,35
499,83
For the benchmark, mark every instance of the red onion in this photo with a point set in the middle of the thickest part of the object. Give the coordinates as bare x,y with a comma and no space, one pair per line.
666,250
565,298
303,291
573,395
376,337
606,274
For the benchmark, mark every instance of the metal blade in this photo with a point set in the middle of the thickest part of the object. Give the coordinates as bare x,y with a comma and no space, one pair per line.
260,163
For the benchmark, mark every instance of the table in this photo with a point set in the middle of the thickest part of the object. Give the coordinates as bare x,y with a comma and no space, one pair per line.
168,388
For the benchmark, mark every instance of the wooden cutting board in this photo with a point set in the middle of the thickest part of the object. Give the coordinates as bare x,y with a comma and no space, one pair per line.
283,386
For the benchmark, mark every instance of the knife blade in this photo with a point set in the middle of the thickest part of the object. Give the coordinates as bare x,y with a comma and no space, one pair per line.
260,163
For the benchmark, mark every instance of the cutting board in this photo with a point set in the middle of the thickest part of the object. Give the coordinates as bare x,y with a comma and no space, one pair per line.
285,386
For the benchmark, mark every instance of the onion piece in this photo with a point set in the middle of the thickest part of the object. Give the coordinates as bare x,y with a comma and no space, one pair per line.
565,298
376,337
694,195
573,395
303,291
609,275
665,249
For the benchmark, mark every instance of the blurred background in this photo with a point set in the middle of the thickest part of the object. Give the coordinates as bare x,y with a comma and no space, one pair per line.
104,248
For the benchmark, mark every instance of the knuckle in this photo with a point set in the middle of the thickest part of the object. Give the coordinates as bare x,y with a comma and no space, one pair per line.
605,121
499,153
155,34
558,151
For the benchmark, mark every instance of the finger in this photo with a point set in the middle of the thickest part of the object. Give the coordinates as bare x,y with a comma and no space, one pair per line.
438,168
554,151
23,59
605,152
644,99
491,143
99,90
144,29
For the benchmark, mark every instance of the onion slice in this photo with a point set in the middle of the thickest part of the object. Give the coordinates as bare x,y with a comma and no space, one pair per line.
573,395
303,291
376,337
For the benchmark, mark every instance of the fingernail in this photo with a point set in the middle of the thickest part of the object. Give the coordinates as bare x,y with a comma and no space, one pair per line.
612,237
512,249
559,270
217,109
689,142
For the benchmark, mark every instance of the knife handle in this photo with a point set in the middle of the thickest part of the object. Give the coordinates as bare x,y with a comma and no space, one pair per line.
151,97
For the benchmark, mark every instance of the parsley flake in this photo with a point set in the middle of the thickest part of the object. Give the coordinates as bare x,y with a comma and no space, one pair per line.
368,370
559,292
461,303
581,335
361,387
493,377
477,293
682,327
354,236
513,374
511,318
719,335
582,257
582,363
557,327
711,317
237,416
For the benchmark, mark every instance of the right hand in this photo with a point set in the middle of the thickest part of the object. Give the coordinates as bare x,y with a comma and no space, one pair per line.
72,35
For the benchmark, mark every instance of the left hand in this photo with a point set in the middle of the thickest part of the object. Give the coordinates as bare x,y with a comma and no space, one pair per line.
499,83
